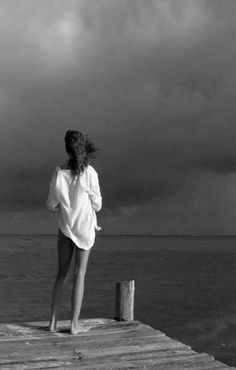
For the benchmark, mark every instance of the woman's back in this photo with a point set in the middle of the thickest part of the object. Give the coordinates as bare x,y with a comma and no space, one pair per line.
79,197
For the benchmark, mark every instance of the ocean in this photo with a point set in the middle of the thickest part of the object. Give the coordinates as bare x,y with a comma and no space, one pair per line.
184,285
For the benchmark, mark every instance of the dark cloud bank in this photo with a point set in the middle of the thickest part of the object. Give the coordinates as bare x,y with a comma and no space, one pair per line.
152,83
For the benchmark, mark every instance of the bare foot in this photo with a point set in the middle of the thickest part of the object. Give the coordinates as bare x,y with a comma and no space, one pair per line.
52,328
76,328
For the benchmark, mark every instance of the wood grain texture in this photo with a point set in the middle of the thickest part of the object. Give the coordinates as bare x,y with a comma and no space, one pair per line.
105,344
125,300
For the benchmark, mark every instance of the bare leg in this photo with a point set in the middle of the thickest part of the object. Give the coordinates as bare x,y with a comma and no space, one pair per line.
65,253
81,260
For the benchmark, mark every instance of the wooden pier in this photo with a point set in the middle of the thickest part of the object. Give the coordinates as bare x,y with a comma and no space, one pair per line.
104,344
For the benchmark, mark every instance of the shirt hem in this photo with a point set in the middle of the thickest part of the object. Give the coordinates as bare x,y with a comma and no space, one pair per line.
77,244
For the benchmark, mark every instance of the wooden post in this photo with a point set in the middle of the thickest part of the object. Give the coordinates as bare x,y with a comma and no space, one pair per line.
125,300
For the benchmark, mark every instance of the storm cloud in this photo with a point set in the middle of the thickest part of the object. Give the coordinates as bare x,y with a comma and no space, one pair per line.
150,81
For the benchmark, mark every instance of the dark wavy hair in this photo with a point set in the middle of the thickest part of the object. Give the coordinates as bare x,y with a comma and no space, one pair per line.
80,150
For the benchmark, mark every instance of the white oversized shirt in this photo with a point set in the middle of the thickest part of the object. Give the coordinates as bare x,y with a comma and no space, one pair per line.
77,198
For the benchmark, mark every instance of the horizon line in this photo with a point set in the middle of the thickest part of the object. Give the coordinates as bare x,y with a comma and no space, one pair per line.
143,234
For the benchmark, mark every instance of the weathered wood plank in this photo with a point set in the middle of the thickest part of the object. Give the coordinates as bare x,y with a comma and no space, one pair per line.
106,344
89,338
153,361
125,300
54,364
144,353
137,364
68,350
27,330
27,349
130,362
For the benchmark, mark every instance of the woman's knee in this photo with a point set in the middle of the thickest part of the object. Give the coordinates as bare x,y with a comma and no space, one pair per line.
81,260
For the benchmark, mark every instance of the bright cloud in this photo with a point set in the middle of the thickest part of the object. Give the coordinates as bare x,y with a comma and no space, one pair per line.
152,82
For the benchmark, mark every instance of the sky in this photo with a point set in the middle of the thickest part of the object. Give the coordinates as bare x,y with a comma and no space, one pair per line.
152,82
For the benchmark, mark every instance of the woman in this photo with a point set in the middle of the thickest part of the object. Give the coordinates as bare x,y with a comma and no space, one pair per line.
75,193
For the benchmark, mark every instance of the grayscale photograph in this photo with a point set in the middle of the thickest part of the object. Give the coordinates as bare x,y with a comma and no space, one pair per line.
118,187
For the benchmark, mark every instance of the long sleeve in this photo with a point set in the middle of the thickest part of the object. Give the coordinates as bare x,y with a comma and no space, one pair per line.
94,192
52,199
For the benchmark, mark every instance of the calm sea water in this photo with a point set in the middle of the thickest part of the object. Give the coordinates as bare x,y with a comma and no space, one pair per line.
185,286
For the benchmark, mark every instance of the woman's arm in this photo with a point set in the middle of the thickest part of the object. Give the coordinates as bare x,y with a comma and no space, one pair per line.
94,192
52,199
